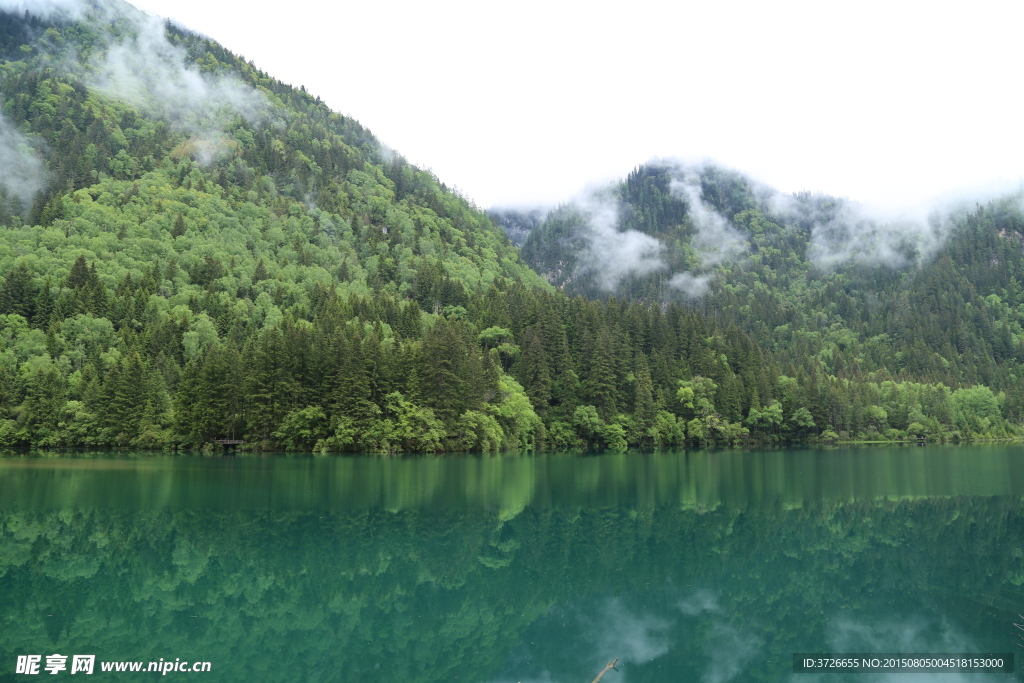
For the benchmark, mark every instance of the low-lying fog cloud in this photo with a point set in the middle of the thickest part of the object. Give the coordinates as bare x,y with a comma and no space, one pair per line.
841,233
613,254
22,173
845,232
715,239
141,66
156,76
71,9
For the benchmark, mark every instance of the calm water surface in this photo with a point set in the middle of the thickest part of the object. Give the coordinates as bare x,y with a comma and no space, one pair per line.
688,566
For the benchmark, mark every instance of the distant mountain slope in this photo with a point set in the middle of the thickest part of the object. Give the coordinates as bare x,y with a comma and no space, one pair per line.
517,223
818,281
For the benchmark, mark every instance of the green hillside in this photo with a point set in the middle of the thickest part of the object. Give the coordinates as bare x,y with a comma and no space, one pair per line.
858,309
192,250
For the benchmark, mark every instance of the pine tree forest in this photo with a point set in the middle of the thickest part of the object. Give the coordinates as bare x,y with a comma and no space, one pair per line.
267,272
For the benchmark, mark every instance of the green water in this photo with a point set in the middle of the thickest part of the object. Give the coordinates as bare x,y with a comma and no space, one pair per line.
688,566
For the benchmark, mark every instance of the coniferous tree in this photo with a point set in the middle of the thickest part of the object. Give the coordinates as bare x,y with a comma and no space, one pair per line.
440,383
643,400
352,390
18,294
599,387
533,373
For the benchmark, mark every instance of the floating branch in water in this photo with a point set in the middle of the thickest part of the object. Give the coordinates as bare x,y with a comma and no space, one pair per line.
609,665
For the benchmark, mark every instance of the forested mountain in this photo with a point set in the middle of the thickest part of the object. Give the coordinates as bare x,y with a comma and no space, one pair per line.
190,250
830,293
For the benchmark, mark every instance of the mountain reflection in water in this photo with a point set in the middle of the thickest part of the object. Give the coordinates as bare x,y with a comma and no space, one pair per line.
701,565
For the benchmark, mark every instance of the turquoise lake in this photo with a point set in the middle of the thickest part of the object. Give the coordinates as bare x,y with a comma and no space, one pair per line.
705,566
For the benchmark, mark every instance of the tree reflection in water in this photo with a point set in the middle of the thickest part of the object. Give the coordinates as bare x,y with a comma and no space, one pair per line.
687,566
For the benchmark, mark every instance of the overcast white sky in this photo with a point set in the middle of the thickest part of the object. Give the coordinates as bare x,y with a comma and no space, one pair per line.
526,103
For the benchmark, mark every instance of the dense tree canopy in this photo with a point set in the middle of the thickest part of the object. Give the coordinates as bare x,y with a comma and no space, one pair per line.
224,257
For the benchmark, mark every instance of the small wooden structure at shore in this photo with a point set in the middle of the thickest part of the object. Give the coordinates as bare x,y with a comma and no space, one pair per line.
229,444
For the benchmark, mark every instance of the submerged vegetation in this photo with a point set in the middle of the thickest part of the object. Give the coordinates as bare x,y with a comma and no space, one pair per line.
191,250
